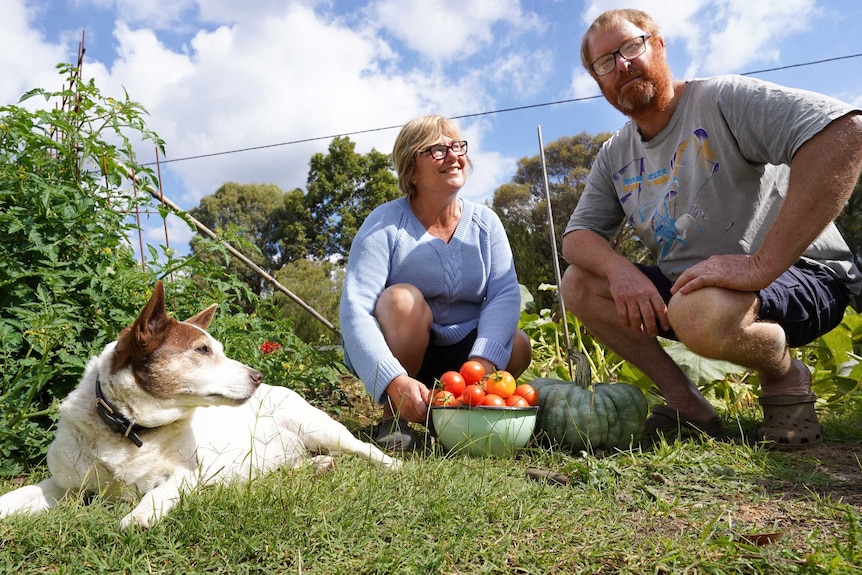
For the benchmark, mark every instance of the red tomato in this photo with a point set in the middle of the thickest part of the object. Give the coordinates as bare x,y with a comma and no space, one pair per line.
443,397
453,382
493,400
501,383
473,395
528,392
472,371
517,401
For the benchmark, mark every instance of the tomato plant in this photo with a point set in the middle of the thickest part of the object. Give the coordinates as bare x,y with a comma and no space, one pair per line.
472,371
527,391
501,383
473,395
493,400
453,382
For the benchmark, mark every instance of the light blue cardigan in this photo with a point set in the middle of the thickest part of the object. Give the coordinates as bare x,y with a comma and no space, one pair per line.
467,282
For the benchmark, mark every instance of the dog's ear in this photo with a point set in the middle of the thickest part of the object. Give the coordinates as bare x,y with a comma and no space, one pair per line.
150,326
137,342
203,319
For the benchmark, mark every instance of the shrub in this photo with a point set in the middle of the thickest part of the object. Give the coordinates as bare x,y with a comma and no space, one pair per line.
69,281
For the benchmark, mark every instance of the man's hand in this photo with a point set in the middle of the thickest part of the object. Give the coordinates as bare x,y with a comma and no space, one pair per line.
639,305
409,398
736,272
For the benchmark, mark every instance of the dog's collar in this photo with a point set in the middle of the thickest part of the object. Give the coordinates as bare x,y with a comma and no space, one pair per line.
116,420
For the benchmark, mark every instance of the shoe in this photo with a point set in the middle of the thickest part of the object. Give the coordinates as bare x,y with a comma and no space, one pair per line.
669,422
789,422
394,435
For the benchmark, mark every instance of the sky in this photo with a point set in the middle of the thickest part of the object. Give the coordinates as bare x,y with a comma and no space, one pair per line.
248,91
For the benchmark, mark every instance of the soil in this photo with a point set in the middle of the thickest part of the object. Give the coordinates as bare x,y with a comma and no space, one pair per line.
839,469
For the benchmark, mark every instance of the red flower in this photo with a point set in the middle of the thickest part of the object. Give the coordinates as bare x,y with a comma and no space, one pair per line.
270,346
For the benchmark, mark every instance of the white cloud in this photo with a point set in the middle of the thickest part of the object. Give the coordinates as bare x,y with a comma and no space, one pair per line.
28,58
440,31
745,33
583,85
257,83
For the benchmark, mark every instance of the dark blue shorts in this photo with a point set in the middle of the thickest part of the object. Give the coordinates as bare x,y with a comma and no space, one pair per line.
806,300
442,358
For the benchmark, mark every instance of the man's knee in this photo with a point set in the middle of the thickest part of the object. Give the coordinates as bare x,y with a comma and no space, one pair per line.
522,354
574,288
705,319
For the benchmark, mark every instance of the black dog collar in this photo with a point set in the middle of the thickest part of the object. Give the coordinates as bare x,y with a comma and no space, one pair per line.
116,420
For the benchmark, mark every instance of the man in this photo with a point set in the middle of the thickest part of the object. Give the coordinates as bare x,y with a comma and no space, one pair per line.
733,184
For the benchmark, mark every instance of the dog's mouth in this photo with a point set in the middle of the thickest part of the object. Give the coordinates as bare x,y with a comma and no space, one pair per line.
217,398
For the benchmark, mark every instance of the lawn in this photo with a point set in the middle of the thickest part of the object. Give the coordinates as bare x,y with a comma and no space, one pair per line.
677,507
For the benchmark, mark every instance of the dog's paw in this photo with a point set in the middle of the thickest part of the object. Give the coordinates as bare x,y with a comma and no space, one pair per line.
323,463
139,519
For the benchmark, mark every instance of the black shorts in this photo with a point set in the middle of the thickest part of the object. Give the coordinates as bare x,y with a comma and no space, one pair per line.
442,358
806,300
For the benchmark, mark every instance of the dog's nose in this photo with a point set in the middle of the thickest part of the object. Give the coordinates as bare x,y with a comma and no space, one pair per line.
256,377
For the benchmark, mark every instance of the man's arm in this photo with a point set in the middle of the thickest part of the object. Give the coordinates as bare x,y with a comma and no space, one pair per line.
638,303
822,176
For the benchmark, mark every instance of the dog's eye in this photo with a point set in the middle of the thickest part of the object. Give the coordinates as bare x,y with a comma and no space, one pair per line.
204,349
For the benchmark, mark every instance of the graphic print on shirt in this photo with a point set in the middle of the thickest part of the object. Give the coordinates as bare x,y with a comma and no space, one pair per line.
667,203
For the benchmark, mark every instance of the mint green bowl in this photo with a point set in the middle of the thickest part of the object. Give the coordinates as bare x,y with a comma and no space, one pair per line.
484,431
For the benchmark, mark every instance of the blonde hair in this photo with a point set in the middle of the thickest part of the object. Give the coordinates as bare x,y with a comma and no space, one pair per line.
415,136
607,20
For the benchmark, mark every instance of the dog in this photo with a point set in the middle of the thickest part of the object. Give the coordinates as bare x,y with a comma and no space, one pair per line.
163,410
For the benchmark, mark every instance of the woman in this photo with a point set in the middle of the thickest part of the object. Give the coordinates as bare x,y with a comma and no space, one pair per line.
430,283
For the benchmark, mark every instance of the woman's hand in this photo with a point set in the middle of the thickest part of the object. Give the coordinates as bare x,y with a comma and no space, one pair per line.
409,398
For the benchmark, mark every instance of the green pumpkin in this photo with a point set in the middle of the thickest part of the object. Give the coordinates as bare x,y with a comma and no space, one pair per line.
582,416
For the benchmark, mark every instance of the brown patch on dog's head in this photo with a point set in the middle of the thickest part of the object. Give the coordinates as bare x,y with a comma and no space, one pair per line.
146,334
152,334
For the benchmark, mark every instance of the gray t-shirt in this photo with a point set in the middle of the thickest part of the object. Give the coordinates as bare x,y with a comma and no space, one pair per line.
712,181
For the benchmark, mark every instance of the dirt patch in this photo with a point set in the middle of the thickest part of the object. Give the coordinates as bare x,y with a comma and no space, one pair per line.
831,470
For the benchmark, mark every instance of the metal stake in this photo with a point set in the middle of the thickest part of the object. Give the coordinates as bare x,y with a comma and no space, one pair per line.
555,257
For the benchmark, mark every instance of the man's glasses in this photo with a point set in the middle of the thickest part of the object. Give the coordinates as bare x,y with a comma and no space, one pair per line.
440,151
628,51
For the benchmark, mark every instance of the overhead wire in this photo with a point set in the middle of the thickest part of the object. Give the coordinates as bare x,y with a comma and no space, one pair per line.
463,116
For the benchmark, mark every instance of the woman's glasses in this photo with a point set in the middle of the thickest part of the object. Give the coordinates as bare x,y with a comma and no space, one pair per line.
440,151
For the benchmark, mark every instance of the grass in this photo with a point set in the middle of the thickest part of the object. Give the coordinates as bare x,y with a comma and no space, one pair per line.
680,507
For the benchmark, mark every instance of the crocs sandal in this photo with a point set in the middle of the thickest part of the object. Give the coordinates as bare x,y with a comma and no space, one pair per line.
789,422
394,435
668,421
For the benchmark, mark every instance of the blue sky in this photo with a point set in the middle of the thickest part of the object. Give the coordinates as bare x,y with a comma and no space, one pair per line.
221,75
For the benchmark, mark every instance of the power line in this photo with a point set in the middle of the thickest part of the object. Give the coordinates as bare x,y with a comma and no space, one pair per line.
801,65
473,115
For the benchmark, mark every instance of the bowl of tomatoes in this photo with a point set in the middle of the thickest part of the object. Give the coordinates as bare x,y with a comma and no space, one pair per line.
483,415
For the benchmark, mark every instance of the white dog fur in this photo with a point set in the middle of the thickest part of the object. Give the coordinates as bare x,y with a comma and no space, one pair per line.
200,416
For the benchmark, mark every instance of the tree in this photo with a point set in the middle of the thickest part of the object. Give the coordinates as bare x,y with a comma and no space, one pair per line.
522,207
290,230
319,284
254,209
281,231
342,189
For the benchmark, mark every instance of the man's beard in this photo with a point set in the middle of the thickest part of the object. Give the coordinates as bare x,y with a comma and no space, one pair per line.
651,93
